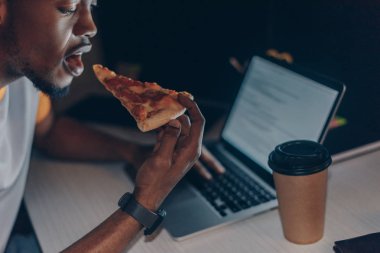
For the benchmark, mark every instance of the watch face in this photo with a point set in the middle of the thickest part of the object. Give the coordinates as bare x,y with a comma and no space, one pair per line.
161,213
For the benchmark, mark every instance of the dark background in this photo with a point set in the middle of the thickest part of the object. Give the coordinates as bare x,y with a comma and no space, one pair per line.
186,45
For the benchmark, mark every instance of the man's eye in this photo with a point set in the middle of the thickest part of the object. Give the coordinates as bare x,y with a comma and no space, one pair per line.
67,10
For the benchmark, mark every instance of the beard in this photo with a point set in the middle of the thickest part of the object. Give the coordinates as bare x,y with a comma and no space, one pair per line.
43,84
19,66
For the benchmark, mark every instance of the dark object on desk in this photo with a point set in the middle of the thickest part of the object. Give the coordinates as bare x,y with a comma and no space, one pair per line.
364,244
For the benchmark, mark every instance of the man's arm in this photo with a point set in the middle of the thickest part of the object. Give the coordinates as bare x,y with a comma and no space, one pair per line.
112,235
177,148
66,138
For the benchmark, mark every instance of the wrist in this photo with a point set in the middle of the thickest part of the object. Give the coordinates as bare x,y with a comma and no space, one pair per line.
151,220
149,201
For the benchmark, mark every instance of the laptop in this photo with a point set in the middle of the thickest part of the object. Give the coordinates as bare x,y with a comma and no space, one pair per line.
276,102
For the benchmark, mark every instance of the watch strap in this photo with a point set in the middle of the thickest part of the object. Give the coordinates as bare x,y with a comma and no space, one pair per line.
150,220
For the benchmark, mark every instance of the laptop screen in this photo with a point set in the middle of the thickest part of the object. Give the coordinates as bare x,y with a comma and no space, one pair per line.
274,105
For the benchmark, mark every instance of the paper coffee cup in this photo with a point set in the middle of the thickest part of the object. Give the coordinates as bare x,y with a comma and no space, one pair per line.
300,176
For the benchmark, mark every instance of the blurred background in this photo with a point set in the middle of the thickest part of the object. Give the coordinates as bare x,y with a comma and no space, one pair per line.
188,45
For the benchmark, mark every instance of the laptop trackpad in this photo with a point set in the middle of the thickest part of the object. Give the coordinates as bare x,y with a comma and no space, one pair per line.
181,192
187,212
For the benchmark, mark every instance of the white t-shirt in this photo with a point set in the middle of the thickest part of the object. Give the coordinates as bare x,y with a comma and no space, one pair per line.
18,110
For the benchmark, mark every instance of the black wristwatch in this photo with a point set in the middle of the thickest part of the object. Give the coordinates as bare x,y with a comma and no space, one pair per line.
150,220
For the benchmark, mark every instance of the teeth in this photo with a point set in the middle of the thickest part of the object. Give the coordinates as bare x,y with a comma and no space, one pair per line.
79,53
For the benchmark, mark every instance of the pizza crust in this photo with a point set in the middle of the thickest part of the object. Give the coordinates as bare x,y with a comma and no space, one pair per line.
159,119
103,73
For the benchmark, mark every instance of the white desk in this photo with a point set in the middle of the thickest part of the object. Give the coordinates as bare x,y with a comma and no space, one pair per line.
66,200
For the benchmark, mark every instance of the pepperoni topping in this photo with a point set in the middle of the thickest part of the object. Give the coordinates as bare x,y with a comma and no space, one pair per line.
153,95
132,97
153,86
129,82
113,84
120,87
123,81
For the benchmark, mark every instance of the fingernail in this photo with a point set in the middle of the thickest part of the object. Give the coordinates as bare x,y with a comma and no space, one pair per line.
207,176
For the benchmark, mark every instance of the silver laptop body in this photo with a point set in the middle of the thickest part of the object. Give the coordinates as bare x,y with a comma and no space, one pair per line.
275,103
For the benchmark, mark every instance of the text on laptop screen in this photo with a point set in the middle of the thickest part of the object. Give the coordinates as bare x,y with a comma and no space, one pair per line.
275,105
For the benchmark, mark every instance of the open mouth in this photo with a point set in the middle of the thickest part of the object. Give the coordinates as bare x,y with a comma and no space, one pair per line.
73,61
74,64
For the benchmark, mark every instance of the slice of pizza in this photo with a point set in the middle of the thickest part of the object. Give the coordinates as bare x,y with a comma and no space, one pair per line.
149,104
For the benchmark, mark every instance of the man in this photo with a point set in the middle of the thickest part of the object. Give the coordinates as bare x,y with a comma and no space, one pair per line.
41,43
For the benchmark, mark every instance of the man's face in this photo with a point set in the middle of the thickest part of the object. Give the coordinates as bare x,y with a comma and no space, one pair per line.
45,40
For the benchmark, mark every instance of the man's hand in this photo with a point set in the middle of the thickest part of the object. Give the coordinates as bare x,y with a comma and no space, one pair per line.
207,159
203,165
177,149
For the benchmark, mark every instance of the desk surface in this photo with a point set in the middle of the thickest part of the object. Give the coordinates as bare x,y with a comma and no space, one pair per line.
66,200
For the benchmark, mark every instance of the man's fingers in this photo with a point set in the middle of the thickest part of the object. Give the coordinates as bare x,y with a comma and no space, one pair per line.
160,133
169,139
185,125
196,117
211,161
198,166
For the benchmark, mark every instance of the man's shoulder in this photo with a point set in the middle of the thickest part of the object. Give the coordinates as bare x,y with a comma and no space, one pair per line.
23,81
24,84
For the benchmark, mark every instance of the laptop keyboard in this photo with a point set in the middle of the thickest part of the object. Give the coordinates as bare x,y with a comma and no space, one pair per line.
233,191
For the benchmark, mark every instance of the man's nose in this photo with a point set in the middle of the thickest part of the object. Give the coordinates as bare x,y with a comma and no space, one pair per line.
85,25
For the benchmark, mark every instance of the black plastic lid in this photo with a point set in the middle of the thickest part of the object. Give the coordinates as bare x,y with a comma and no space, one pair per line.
298,158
